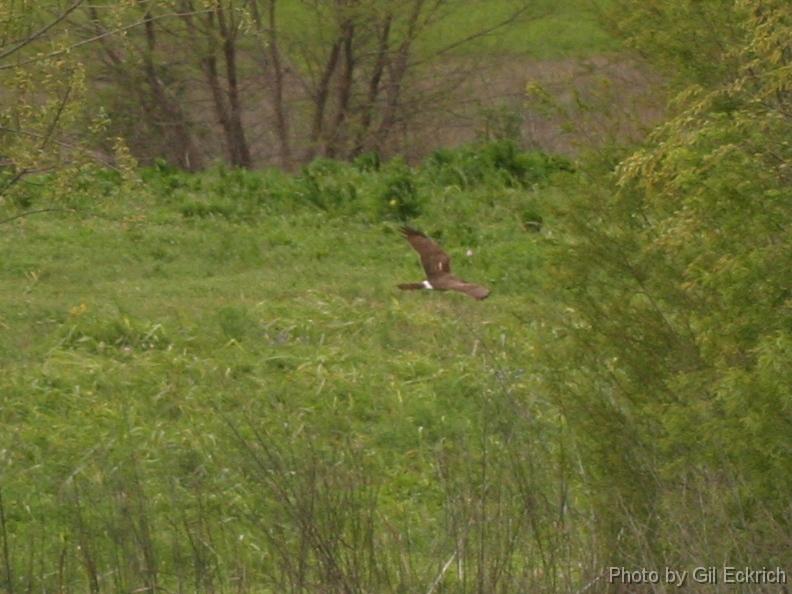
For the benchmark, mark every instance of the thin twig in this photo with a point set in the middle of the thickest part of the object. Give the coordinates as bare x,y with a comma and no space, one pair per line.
30,212
440,575
98,37
6,553
591,583
20,174
473,36
56,119
41,31
67,145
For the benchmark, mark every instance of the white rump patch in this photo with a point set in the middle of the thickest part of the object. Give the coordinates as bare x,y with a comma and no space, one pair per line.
427,285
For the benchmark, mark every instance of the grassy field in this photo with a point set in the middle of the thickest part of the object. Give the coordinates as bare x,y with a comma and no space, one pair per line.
547,30
192,358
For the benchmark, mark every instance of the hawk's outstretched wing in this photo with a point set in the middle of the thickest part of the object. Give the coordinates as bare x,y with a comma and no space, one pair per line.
434,260
452,283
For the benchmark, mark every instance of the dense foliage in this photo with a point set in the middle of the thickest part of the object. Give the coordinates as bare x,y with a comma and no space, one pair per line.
676,324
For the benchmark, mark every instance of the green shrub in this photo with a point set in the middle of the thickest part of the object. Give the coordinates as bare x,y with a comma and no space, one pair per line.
195,208
368,161
499,164
328,185
396,196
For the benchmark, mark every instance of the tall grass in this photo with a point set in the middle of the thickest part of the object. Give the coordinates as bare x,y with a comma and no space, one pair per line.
210,383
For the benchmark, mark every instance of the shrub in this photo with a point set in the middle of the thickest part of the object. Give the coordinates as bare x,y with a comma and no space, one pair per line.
396,196
328,185
500,163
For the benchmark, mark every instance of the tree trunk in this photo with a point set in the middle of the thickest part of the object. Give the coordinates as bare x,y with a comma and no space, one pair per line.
175,127
275,75
320,101
396,73
281,118
237,139
225,101
335,139
367,110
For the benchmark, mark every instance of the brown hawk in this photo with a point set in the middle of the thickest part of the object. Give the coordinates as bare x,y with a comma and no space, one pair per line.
437,265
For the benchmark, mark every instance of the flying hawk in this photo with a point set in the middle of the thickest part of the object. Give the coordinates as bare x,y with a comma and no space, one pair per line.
437,265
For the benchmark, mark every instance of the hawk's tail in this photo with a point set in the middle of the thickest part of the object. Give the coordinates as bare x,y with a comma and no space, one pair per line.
411,286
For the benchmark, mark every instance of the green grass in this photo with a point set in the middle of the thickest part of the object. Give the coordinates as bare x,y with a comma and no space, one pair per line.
151,333
547,30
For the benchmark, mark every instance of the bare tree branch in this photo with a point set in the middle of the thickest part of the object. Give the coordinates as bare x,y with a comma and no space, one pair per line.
56,119
275,72
473,36
96,38
33,37
14,180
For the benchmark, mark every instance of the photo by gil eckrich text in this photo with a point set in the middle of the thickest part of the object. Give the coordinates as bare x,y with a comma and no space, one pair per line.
724,574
